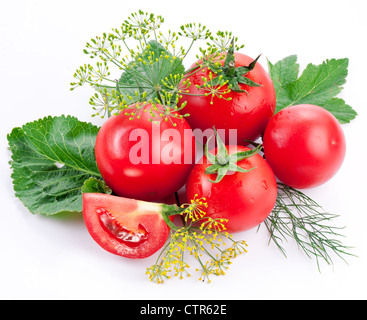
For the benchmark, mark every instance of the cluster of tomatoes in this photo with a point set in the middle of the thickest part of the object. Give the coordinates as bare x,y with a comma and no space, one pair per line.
145,162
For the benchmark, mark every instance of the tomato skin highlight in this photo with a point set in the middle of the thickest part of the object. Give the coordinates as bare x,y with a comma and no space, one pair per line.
244,198
154,178
132,215
248,113
304,145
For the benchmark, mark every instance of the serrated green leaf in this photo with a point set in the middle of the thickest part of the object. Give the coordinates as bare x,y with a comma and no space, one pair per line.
51,159
318,85
283,72
343,112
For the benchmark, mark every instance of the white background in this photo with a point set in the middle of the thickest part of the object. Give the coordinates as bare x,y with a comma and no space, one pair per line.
41,45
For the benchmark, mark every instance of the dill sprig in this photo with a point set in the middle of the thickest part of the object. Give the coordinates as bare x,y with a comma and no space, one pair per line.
297,216
138,63
200,237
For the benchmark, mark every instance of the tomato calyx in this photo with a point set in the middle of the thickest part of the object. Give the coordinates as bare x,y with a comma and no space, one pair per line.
234,75
222,162
167,212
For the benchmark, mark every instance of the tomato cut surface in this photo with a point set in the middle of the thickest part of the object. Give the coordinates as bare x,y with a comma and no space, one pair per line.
125,227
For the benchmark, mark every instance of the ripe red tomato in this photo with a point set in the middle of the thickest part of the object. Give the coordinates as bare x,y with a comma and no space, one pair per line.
247,112
144,159
125,227
244,198
304,145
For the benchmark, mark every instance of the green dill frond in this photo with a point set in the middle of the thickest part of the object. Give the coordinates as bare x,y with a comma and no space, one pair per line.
296,216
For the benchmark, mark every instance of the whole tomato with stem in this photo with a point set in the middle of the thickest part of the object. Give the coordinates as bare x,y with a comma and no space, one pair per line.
237,183
229,91
145,152
304,145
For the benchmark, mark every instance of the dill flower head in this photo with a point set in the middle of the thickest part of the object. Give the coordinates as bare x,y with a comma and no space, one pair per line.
195,210
201,238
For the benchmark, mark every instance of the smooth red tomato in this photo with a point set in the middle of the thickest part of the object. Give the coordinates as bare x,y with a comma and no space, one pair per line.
304,145
144,159
248,113
244,198
125,227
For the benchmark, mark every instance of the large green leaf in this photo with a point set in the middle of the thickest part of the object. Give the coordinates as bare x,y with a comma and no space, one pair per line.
51,159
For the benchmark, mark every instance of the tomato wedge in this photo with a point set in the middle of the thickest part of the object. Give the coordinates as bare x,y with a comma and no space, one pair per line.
126,227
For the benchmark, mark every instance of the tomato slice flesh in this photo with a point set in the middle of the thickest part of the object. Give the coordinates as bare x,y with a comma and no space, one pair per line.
126,227
122,234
